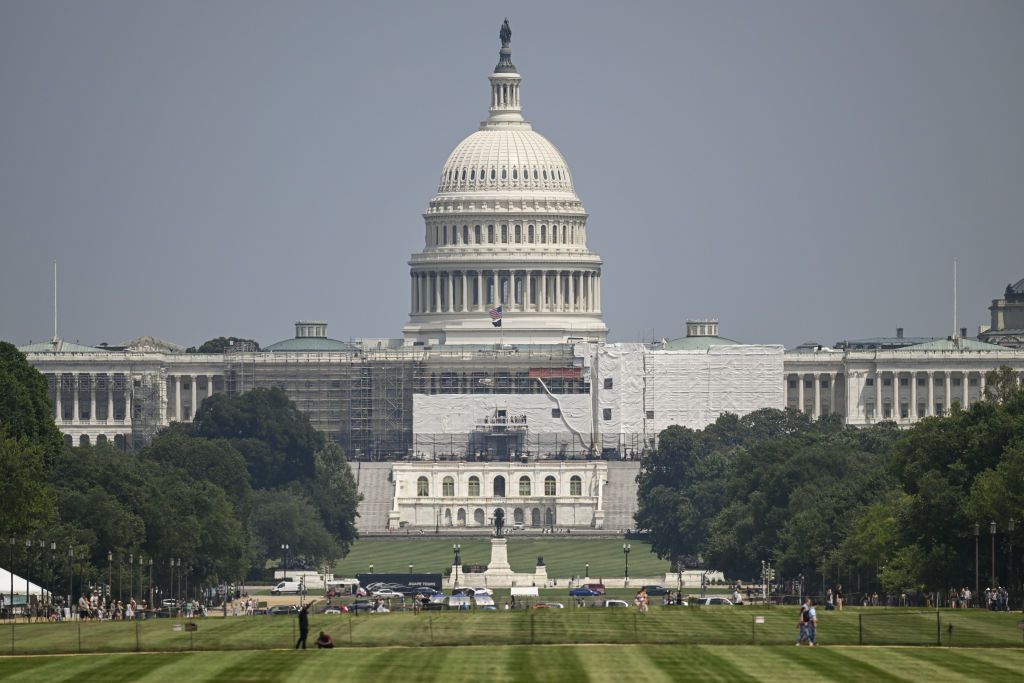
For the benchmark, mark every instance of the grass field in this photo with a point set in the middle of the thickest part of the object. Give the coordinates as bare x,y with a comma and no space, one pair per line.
560,663
564,556
680,625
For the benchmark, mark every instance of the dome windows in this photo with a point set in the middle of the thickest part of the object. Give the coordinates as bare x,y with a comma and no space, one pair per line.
492,174
463,174
504,174
515,174
545,173
477,233
472,174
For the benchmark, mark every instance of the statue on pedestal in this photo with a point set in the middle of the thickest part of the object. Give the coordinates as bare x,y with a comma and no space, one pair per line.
499,524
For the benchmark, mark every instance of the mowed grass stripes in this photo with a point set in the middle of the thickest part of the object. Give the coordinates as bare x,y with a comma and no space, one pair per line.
676,625
514,663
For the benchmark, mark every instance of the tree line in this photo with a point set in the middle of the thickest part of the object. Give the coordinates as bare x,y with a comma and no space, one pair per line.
896,510
220,495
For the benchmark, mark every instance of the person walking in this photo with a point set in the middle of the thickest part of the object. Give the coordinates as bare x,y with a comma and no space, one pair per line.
811,617
303,627
802,624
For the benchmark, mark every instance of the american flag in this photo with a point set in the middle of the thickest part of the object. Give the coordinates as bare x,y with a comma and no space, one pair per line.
495,314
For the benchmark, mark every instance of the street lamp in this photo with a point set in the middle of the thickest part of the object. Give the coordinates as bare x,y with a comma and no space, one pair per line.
151,583
1009,537
587,573
410,567
992,530
71,573
141,593
131,574
458,561
28,573
625,552
110,573
10,595
284,552
371,567
977,580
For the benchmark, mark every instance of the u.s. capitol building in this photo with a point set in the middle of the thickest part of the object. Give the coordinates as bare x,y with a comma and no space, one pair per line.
540,416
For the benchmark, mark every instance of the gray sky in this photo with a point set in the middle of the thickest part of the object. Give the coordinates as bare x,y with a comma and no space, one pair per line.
802,170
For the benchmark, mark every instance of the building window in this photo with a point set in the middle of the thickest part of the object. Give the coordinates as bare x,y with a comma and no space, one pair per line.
824,384
448,487
608,383
499,487
556,413
529,234
887,411
904,411
476,232
870,381
474,485
524,486
575,486
920,381
887,382
519,234
956,381
808,384
904,381
938,381
607,413
792,384
504,234
974,382
650,414
490,234
422,487
550,487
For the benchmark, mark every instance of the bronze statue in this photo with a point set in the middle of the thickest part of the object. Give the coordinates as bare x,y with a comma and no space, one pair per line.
505,34
499,523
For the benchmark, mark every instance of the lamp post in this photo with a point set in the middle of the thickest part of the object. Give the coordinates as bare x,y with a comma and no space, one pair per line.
1009,537
977,580
71,574
10,596
28,573
992,530
284,553
170,588
625,552
141,591
371,567
586,573
458,561
410,567
150,583
110,564
131,573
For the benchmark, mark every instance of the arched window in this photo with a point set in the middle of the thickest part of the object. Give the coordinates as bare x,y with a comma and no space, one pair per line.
448,487
474,485
519,234
543,234
499,487
465,234
545,173
444,236
504,174
463,174
534,174
472,174
492,174
575,486
422,487
524,486
504,234
550,487
554,234
477,231
490,234
529,234
455,234
515,174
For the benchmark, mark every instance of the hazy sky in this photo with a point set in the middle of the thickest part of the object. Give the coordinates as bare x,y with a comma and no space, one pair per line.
801,170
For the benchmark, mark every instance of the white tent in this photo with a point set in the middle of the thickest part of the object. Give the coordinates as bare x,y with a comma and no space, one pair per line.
20,586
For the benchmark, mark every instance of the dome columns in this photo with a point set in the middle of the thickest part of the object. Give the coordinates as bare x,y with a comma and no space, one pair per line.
519,290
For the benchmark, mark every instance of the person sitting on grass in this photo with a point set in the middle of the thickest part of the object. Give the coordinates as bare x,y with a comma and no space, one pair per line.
324,641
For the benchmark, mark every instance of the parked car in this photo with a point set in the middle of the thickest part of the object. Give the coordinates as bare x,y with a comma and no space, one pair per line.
710,600
548,605
613,603
473,592
283,609
655,590
597,588
333,609
357,606
583,592
287,586
387,593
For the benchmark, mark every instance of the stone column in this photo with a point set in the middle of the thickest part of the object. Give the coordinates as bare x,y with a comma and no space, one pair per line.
74,387
817,394
832,392
572,290
913,396
896,395
878,396
981,385
479,290
177,398
437,291
965,390
598,298
785,390
192,410
412,292
127,400
58,379
110,396
558,290
800,391
930,410
513,304
529,291
465,291
449,285
495,297
209,386
949,392
92,397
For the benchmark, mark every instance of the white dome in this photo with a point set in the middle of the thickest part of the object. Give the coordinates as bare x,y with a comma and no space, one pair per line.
505,158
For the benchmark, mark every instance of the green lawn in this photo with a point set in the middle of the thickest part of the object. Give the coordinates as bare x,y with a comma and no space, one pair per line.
561,663
679,625
564,556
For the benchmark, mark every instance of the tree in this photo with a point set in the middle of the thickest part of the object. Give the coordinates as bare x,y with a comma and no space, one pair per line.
213,460
223,344
287,516
277,441
26,501
334,492
25,408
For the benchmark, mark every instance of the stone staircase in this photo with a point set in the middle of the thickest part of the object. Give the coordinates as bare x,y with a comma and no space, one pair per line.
378,495
620,495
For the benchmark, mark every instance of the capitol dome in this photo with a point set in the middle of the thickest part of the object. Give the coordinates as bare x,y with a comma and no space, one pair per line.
505,240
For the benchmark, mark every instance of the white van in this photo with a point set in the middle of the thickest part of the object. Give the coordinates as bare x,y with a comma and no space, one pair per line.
287,586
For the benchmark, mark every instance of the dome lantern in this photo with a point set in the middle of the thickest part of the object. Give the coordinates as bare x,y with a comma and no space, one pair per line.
506,107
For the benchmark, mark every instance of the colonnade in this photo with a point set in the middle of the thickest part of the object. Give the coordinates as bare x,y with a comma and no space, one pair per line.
573,291
885,394
192,383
